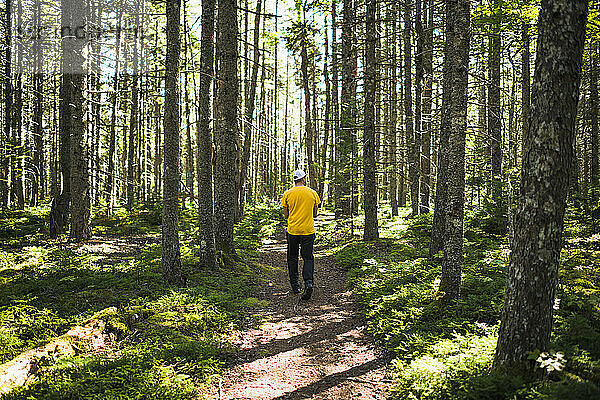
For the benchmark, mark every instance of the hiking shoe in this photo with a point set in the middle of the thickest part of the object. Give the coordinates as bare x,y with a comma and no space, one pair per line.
307,291
296,289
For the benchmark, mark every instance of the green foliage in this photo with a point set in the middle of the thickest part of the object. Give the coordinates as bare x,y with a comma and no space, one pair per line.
445,352
166,341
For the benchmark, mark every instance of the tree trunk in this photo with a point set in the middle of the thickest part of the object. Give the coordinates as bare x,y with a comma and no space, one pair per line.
393,124
73,61
133,122
171,256
371,230
525,85
189,153
204,160
4,164
37,190
411,143
308,119
458,58
494,110
345,138
327,117
418,136
438,227
226,125
427,107
249,114
594,173
112,143
547,161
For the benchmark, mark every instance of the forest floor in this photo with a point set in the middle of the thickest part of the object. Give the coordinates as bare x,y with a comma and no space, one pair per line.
317,349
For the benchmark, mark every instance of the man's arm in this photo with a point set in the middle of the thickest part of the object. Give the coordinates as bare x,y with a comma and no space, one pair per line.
286,212
315,211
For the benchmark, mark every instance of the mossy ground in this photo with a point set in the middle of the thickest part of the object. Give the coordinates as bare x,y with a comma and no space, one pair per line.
167,341
446,352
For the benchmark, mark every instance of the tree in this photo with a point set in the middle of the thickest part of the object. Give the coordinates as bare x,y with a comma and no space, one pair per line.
345,139
371,230
171,255
249,118
458,11
226,133
411,141
205,148
494,111
594,172
547,161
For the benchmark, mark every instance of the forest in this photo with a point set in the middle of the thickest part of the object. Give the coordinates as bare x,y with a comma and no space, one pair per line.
146,146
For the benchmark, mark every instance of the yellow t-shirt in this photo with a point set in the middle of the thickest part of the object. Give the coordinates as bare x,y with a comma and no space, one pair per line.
300,202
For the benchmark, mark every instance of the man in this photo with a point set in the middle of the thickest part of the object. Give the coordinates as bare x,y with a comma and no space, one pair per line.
300,205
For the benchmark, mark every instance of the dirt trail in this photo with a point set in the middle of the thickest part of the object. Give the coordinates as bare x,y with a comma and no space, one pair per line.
319,350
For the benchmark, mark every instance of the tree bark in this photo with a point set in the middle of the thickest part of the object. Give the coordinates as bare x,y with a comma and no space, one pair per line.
133,122
393,124
547,161
308,119
249,113
525,85
411,142
371,230
494,110
226,126
204,161
594,173
4,164
438,227
345,138
458,58
418,135
427,107
171,256
80,186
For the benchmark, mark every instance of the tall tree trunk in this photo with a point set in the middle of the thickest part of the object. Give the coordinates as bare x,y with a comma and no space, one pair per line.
189,154
133,121
112,142
17,120
458,57
393,124
171,256
327,117
411,143
204,161
594,173
371,230
525,84
335,115
37,190
494,110
438,228
4,164
418,100
547,161
427,107
345,142
308,119
226,125
249,114
80,185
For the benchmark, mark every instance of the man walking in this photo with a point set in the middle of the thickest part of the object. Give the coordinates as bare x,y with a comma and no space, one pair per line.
300,205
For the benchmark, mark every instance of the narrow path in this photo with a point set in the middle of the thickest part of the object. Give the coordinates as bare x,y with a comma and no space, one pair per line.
320,350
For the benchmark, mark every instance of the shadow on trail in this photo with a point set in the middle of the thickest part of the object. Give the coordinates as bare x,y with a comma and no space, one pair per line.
332,380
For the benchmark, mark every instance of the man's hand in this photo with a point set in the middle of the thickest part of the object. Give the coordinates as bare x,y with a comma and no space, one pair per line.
286,212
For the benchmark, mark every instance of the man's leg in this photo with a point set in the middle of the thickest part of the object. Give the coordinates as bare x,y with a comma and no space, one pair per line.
308,268
293,243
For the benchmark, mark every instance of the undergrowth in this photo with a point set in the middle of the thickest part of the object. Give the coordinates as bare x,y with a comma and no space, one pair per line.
166,340
446,352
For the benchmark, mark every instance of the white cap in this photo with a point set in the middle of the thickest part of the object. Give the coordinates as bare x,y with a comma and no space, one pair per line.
299,174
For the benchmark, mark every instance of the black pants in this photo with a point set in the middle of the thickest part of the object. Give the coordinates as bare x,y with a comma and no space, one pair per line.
306,243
